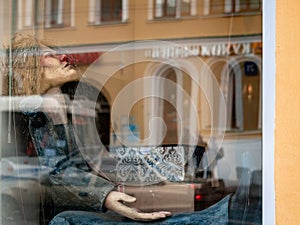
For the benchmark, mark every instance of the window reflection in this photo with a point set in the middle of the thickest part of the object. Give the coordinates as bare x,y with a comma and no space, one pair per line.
111,10
167,142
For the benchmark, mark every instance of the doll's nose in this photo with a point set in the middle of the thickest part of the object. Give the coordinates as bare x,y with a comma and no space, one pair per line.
63,58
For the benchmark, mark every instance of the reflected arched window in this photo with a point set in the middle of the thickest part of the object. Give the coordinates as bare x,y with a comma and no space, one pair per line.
240,83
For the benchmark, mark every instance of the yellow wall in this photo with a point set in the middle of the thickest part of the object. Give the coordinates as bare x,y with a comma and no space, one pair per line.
139,27
287,132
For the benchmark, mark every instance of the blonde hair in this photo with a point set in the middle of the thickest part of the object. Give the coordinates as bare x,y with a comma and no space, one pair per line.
23,64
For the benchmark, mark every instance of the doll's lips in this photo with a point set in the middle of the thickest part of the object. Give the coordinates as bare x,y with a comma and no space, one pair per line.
69,61
69,65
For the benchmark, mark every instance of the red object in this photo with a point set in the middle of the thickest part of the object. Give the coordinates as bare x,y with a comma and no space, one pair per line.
30,149
198,197
83,58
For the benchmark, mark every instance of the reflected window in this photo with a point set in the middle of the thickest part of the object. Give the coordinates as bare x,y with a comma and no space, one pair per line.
106,11
111,10
39,14
241,89
240,83
58,13
174,8
247,5
233,6
165,8
169,82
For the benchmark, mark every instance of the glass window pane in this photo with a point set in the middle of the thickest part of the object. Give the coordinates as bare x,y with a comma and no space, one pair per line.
166,110
165,8
255,4
54,13
217,6
185,7
170,7
111,10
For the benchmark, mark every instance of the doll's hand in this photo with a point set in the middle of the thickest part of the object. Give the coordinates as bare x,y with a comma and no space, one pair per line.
114,201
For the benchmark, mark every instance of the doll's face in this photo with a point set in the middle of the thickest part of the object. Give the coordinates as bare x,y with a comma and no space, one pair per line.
57,68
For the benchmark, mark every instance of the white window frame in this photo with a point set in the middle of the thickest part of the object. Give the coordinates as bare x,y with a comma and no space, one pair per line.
48,13
193,7
60,13
95,12
237,6
26,15
156,12
269,88
20,14
206,7
227,6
